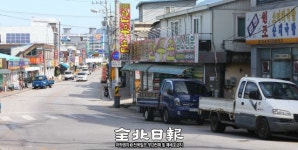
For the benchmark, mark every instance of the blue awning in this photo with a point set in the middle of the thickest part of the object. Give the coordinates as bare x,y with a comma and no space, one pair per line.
65,65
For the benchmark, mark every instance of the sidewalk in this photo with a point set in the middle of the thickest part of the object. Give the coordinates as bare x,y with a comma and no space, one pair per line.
126,101
9,93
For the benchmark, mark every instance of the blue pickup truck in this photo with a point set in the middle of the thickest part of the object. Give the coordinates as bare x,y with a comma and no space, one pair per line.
176,100
42,81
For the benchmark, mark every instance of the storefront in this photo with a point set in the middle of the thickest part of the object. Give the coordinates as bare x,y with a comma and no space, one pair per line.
148,76
279,63
15,65
275,47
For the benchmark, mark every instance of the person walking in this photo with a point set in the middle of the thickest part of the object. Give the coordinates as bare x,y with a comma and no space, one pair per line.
21,84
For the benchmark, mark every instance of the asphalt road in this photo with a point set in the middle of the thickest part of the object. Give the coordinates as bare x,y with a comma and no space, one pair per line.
75,116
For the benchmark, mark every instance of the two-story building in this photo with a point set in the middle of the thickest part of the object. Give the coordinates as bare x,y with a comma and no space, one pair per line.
271,30
205,42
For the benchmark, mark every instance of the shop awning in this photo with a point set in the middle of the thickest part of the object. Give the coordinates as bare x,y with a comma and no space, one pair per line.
4,71
136,66
166,69
9,57
65,65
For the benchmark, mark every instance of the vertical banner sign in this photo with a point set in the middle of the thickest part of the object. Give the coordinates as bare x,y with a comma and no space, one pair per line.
124,36
41,57
56,57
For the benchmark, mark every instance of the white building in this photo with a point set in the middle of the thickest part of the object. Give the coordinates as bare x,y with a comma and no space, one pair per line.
43,31
40,31
222,57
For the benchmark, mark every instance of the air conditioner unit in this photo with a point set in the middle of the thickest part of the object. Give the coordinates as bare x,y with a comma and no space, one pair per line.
227,82
204,45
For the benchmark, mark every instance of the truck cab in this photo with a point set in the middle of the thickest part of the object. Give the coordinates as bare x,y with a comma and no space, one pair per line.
269,104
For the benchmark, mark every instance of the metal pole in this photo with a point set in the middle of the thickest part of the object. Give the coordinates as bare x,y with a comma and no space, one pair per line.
109,50
44,61
59,27
116,40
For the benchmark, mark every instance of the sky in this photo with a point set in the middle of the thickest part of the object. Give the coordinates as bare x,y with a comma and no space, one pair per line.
74,14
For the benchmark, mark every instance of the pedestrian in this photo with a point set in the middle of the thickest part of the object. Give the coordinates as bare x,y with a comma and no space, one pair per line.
21,84
0,106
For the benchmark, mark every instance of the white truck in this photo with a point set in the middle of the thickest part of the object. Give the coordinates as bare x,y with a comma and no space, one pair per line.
261,105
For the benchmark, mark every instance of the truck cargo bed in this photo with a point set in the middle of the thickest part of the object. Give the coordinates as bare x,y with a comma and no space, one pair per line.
216,104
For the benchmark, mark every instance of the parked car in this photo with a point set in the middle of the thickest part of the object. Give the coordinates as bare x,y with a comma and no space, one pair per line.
82,76
68,75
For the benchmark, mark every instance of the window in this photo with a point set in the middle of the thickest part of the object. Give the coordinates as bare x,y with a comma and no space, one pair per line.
260,2
240,26
250,88
32,53
22,38
241,89
174,28
181,87
197,25
169,9
278,90
166,87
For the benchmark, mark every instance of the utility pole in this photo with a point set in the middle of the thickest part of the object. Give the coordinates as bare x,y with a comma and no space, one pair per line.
108,22
117,40
116,82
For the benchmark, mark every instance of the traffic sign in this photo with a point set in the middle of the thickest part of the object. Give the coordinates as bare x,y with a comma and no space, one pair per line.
101,51
115,55
116,63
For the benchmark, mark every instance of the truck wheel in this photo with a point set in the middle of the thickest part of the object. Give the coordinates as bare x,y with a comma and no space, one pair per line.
216,125
263,129
50,86
148,115
165,117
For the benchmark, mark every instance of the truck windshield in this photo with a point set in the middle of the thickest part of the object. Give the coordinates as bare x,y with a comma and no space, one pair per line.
278,90
190,87
38,78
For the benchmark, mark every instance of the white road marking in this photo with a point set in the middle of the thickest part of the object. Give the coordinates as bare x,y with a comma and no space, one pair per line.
116,116
28,117
71,116
5,118
96,116
51,117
